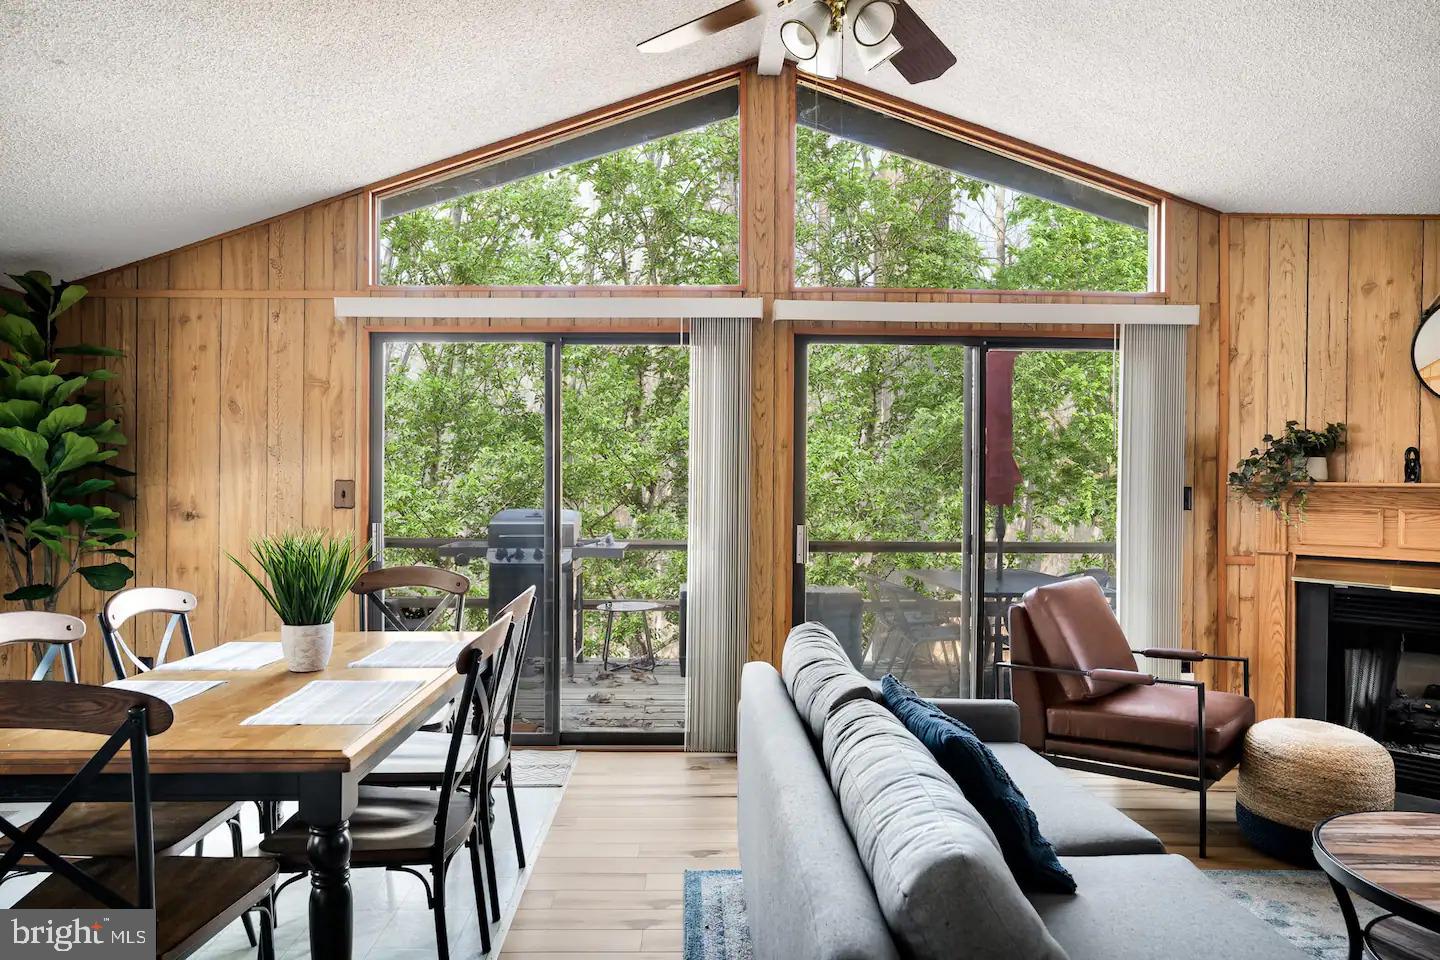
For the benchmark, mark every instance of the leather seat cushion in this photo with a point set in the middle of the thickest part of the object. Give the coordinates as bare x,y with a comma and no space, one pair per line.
108,829
1160,717
1076,628
390,825
190,893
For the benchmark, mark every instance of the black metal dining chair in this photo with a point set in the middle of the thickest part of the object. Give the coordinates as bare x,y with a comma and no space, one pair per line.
420,760
401,829
192,898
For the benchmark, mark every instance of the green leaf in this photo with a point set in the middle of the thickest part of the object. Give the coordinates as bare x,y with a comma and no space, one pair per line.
62,420
89,350
29,446
117,552
69,297
10,302
35,387
69,512
102,375
106,576
62,392
86,487
73,452
21,334
35,591
20,413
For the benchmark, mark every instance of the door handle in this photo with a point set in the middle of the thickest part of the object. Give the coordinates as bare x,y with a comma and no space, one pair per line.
802,544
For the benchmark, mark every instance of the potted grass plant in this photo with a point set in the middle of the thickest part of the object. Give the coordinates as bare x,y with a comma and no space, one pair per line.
307,575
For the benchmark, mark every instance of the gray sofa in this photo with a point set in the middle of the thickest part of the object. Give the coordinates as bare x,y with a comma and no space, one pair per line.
856,845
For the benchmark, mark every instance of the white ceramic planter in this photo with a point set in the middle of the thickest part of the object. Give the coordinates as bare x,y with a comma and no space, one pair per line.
307,648
1318,467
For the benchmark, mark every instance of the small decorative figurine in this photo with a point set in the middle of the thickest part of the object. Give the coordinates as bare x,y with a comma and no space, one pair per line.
1412,464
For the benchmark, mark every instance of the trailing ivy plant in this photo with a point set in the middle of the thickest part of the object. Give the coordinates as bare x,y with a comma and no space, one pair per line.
55,448
1278,476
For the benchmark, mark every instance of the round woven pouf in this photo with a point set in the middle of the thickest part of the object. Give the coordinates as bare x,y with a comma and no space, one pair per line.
1295,773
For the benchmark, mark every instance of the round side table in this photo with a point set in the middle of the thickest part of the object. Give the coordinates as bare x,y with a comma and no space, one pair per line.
1391,859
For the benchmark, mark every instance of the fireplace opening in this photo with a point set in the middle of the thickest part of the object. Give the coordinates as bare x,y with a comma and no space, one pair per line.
1369,659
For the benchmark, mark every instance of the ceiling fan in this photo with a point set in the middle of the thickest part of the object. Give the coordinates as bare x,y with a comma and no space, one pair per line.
813,33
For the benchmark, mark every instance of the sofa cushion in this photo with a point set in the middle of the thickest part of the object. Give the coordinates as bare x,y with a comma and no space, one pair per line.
1154,908
1074,820
1075,626
819,675
809,896
987,786
1160,717
934,864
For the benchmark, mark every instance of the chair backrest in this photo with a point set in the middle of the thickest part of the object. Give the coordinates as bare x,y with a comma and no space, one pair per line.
372,584
461,767
505,682
57,631
128,604
126,718
1076,629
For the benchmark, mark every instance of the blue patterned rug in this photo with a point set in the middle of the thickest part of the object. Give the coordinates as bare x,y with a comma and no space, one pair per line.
1297,903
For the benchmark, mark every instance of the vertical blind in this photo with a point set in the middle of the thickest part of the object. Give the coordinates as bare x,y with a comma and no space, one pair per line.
1150,531
719,529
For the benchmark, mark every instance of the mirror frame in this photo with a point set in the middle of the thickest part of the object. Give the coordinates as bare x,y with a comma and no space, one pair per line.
1430,313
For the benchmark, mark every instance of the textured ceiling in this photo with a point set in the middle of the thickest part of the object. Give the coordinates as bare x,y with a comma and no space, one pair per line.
130,127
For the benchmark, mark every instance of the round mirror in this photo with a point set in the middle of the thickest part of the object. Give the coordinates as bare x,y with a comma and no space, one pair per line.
1425,352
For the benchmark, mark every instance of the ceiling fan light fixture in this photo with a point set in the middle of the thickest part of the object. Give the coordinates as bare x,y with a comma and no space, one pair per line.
826,62
873,56
874,24
804,37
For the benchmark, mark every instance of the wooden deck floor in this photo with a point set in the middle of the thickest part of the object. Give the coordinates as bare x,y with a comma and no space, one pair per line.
607,883
596,700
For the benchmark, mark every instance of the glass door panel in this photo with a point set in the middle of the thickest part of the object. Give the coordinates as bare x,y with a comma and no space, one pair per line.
882,436
461,482
625,450
1051,471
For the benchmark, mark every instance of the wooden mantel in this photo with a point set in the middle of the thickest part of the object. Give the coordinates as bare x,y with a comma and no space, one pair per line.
1379,522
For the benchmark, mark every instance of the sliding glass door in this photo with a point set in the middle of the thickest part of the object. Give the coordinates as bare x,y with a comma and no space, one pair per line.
937,481
559,463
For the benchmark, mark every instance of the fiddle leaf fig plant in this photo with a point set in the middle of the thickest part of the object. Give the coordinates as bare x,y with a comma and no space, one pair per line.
1278,476
57,486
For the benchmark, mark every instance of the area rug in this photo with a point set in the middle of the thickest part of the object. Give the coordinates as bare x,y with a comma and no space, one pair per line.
542,768
1298,904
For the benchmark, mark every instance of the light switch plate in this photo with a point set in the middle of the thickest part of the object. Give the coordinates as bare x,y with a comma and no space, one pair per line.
344,495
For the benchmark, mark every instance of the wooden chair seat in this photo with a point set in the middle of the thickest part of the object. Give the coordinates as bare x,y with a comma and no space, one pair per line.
391,826
108,829
195,896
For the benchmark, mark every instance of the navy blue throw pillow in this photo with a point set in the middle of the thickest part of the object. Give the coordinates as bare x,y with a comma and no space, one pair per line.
987,786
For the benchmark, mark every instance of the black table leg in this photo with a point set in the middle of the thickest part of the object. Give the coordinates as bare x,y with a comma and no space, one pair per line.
1352,922
326,805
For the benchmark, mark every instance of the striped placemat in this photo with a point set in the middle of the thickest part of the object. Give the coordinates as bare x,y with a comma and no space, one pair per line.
335,703
171,691
413,653
236,655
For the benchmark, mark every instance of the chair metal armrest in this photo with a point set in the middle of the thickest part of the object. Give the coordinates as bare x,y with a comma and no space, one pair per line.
1175,653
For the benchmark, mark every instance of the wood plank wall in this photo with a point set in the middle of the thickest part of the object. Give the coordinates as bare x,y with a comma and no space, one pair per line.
245,399
1320,316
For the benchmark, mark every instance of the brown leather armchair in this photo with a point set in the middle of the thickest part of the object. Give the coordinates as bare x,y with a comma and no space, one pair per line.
1084,704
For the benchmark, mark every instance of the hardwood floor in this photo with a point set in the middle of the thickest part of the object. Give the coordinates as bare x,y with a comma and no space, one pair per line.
607,884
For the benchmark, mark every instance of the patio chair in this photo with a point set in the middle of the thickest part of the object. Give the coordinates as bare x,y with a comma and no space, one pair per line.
192,899
906,621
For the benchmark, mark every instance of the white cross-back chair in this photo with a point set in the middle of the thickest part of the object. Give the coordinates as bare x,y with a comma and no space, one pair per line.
128,604
56,630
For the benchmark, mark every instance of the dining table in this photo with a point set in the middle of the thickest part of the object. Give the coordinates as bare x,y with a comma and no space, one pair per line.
211,754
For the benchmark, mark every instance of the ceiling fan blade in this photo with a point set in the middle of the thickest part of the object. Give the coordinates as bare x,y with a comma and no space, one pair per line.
925,57
730,15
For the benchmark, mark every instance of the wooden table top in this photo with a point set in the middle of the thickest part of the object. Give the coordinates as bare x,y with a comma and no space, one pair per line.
207,735
1396,852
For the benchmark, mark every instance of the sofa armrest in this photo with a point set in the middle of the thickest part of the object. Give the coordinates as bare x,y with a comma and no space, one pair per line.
996,721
